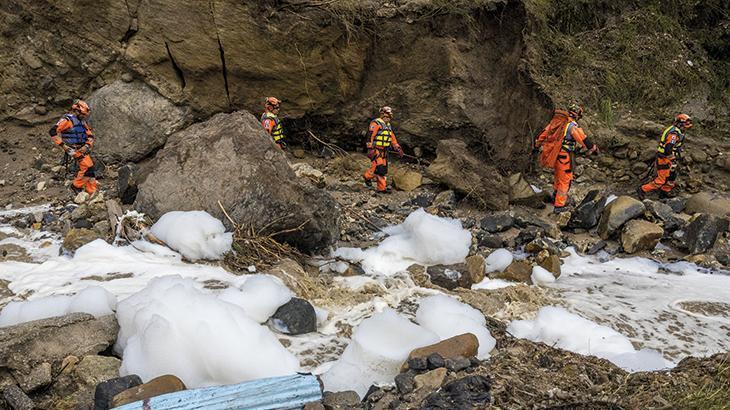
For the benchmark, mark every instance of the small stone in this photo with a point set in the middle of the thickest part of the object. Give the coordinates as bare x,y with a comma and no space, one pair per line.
17,399
295,317
418,363
127,77
498,222
435,361
404,383
315,405
517,271
69,363
551,263
465,345
457,364
40,109
81,197
78,237
81,212
106,390
341,400
41,375
38,216
40,186
102,228
490,240
475,267
298,153
640,235
430,380
155,387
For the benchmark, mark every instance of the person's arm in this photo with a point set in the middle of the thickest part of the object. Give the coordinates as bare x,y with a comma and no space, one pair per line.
583,139
55,132
89,140
395,144
374,128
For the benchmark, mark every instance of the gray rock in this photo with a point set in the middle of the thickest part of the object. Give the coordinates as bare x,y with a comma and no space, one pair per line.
457,364
131,120
445,200
418,363
664,214
721,250
404,382
640,235
677,204
341,400
498,222
703,231
106,390
457,167
707,203
251,179
587,214
16,398
618,212
465,393
547,227
127,183
446,276
27,346
295,317
489,240
435,361
521,192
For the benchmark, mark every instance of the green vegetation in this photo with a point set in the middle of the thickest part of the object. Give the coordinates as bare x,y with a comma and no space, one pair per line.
714,395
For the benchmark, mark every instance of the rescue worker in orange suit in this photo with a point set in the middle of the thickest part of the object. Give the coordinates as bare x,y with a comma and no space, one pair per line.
669,153
74,135
382,138
572,136
271,122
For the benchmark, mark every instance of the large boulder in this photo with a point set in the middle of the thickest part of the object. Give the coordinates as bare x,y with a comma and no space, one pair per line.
32,349
707,203
230,159
618,212
457,167
587,214
131,121
663,214
703,231
639,235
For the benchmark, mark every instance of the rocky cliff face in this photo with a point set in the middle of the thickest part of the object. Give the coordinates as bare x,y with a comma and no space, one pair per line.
448,70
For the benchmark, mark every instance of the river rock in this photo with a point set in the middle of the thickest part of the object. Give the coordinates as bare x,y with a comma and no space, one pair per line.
39,347
131,120
702,232
16,398
465,393
430,380
127,183
497,222
446,276
343,400
618,212
587,214
474,273
252,181
295,317
106,390
78,237
457,167
464,345
707,203
551,263
407,180
153,388
522,193
517,271
639,235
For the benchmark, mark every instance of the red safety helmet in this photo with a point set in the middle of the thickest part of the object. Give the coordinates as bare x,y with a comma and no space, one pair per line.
81,107
272,102
575,110
683,120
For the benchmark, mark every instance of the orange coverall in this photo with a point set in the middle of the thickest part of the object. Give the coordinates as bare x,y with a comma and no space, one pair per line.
666,173
379,153
563,176
85,178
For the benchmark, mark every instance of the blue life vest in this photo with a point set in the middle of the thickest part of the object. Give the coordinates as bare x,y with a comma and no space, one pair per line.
75,135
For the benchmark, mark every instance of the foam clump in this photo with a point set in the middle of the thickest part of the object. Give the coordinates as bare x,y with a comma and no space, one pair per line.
447,317
498,260
541,276
195,234
174,327
422,238
379,346
259,296
557,327
93,300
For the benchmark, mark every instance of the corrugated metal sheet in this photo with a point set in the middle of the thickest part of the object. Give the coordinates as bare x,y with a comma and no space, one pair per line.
287,392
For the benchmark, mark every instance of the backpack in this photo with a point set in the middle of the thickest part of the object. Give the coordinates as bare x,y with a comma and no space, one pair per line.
551,138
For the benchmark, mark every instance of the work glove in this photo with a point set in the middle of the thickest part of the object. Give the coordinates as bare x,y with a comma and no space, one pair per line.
400,152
